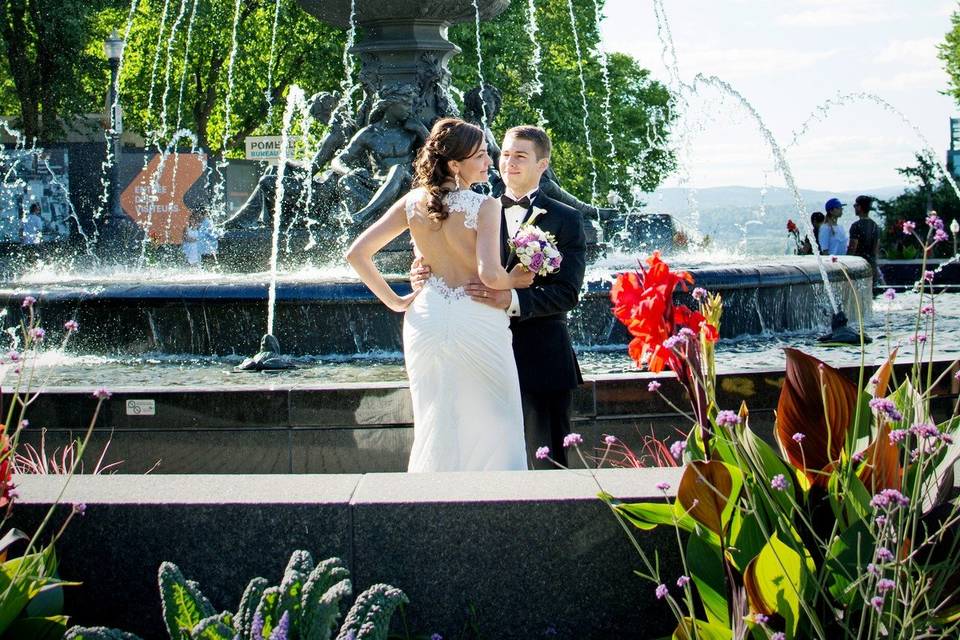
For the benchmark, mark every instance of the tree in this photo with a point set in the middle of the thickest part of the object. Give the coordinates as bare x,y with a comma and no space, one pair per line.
52,53
949,53
932,192
307,53
639,106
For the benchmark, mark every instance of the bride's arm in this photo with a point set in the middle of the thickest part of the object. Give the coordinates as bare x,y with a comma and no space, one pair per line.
360,254
489,269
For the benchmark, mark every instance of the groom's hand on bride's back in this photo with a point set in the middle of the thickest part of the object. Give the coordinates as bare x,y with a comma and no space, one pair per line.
479,292
419,273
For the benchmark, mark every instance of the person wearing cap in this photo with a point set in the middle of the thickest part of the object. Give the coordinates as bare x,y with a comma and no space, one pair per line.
865,235
833,237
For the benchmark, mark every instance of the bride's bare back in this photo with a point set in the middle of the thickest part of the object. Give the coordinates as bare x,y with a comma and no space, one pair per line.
449,247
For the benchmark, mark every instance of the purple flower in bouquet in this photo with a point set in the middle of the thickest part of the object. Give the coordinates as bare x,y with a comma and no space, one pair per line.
536,250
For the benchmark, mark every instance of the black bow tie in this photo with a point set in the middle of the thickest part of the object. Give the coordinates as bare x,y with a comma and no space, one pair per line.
508,202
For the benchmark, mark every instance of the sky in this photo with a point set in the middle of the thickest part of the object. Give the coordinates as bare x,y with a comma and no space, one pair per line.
787,58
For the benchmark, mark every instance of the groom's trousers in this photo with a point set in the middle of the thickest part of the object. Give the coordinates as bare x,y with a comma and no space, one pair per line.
546,421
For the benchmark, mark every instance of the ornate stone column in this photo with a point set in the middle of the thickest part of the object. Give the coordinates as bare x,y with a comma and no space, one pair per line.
405,42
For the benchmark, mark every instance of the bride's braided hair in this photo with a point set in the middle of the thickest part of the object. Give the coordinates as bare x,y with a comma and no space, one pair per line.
450,139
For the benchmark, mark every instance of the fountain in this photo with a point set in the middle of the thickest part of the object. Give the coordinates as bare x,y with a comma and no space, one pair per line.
360,166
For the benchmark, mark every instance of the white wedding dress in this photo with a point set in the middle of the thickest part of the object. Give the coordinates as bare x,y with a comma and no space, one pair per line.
463,378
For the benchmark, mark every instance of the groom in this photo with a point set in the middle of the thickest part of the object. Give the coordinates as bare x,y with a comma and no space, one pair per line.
546,362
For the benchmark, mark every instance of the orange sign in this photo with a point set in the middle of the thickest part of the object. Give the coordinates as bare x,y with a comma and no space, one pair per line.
154,198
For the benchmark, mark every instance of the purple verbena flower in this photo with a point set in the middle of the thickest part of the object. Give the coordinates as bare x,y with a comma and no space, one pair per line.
909,227
572,439
727,418
13,355
928,276
663,486
798,437
661,591
778,482
934,221
885,584
37,333
610,440
857,457
877,603
683,581
897,435
760,618
653,386
890,294
102,393
940,236
436,636
71,325
920,337
834,259
543,453
699,294
79,508
28,301
873,570
889,498
24,423
886,407
677,449
925,430
687,332
779,635
672,342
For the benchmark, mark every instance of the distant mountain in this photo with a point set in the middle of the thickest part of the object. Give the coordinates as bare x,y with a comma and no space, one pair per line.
677,199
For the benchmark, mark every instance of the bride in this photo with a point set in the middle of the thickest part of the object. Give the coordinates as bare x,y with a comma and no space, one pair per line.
463,379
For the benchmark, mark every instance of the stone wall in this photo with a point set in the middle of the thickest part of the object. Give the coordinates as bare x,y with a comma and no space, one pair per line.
514,553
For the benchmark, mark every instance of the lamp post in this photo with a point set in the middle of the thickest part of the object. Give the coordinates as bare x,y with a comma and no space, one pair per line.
116,224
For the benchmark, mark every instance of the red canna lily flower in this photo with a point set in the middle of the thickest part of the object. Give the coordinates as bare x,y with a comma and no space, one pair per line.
792,227
643,302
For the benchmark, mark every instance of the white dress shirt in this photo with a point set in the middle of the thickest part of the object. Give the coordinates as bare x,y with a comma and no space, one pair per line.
514,217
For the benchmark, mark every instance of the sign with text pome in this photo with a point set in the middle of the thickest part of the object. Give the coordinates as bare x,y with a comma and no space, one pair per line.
267,148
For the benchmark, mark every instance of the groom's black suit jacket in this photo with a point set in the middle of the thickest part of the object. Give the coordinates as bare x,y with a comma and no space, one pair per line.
541,342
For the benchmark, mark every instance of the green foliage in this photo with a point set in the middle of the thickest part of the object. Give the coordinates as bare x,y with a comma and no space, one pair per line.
931,191
31,599
308,597
52,63
639,106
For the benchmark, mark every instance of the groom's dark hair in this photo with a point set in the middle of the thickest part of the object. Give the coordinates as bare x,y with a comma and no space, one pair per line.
536,135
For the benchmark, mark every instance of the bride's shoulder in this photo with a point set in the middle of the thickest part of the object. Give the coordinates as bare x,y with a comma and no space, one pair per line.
412,199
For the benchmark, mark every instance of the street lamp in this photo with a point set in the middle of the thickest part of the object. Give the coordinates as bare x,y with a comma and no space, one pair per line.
116,223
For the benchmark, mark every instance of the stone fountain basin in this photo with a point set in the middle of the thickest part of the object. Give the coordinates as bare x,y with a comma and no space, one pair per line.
337,12
317,313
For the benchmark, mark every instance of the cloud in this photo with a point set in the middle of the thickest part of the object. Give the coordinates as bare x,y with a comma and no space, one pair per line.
935,79
852,16
731,63
921,50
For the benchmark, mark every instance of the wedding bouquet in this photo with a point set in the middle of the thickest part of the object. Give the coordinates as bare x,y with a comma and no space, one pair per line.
536,249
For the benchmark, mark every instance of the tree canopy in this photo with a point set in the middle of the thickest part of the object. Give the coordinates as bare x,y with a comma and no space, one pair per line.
70,76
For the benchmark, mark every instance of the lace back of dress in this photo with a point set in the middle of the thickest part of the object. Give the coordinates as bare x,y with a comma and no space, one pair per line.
464,201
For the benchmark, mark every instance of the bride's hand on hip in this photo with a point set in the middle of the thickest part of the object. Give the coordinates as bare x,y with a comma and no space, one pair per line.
404,301
521,277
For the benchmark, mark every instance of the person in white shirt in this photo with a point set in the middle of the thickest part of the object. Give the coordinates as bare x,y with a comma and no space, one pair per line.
33,226
191,237
832,236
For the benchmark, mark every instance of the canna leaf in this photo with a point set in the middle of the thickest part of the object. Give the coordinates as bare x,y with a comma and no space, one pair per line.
817,401
708,491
